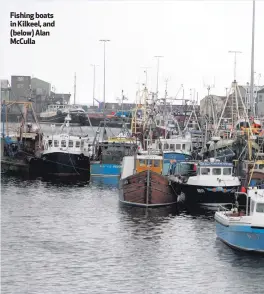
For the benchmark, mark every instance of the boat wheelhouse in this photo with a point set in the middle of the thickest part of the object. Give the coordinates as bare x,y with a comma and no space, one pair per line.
171,157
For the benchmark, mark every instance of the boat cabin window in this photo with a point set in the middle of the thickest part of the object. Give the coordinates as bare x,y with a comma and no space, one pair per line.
77,144
217,171
178,146
205,171
260,207
50,143
172,147
127,151
56,143
82,144
63,143
183,146
166,146
227,171
70,143
149,162
261,166
156,163
142,162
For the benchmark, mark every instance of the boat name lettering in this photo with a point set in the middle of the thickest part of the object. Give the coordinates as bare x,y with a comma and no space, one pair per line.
200,190
215,164
150,157
110,165
253,236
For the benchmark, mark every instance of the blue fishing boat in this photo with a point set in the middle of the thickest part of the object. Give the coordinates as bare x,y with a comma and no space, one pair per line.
106,166
240,229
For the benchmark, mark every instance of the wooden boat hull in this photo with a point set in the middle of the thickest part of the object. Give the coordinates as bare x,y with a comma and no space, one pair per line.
147,189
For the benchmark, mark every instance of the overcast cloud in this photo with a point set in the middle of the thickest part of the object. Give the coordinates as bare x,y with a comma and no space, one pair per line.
193,36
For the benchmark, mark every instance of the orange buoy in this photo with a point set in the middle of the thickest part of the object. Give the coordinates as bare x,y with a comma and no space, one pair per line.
243,189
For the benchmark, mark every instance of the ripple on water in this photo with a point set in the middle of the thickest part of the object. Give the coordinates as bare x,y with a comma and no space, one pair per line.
78,239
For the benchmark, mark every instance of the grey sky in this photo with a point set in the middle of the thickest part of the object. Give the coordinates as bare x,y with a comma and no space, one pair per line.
193,36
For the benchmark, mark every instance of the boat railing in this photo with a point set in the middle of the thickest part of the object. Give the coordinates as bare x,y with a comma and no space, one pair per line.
222,207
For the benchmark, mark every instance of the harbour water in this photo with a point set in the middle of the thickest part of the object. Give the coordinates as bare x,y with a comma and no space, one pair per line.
59,238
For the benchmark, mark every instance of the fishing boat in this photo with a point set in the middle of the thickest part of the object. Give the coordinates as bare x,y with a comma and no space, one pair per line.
252,172
108,154
65,155
142,183
213,184
56,113
243,230
177,148
20,145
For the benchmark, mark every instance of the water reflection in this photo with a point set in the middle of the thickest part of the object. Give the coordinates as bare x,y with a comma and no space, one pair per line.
60,238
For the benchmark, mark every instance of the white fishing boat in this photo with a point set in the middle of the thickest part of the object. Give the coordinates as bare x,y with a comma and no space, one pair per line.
65,154
243,230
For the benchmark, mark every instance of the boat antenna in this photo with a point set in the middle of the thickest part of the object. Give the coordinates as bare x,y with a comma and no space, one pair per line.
157,87
235,61
252,104
209,102
146,74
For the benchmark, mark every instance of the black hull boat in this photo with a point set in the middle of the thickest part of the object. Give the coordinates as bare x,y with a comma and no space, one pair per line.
60,164
207,197
213,184
65,155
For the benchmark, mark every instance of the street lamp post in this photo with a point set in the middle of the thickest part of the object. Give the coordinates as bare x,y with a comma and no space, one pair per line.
94,65
104,40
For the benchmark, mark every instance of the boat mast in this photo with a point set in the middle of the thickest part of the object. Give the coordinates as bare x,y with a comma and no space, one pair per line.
74,97
252,100
165,117
157,86
4,115
122,101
